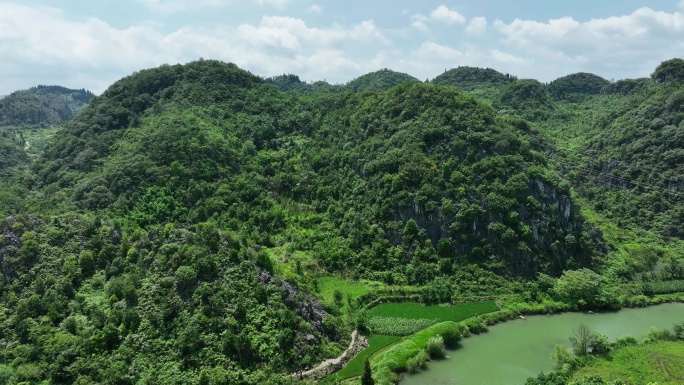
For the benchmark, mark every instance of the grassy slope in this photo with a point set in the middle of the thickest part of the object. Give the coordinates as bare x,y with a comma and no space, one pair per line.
329,284
355,366
661,362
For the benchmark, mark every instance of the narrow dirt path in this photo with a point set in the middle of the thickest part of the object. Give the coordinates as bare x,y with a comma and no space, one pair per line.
330,365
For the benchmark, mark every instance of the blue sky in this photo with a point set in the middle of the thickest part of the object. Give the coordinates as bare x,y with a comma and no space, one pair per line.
91,44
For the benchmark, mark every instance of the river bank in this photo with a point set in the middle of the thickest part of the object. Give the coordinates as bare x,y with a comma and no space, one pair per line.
513,351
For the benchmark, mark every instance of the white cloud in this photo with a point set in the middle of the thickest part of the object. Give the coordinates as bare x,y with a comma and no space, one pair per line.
167,6
635,43
290,33
477,26
527,32
315,8
40,45
43,45
433,51
271,3
420,25
443,13
507,58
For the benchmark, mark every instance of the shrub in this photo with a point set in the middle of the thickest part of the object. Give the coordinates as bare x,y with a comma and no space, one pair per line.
417,362
476,326
600,344
626,341
435,347
452,336
561,355
660,335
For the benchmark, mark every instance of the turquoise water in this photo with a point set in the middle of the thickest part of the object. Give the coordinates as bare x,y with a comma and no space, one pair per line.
513,351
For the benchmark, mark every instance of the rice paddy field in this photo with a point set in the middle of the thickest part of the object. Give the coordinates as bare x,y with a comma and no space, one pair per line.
389,322
439,313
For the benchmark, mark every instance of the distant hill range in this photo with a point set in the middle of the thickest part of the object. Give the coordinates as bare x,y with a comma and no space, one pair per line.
42,106
381,80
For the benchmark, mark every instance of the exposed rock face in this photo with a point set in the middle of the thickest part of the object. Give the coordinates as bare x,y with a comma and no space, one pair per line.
556,239
305,305
10,242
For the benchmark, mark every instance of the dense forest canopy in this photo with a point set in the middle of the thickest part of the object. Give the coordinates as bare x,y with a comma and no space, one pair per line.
471,78
42,105
177,227
381,80
578,84
669,71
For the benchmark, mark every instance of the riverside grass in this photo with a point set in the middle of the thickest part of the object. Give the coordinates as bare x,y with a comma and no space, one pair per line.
658,362
387,362
355,367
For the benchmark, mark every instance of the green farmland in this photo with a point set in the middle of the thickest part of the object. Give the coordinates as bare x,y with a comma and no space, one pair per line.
414,310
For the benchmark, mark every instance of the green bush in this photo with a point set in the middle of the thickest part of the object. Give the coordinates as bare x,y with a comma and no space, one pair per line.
452,336
626,341
476,325
436,348
417,362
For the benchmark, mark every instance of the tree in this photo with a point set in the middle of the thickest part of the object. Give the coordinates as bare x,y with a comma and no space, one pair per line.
337,297
561,355
581,287
599,344
366,377
581,339
669,70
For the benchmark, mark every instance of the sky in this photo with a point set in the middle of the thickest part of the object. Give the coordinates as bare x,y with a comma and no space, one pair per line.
92,43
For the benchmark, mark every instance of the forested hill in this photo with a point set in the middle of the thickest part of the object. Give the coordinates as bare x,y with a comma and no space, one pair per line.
473,78
619,142
11,153
176,228
381,80
42,105
292,83
636,152
424,153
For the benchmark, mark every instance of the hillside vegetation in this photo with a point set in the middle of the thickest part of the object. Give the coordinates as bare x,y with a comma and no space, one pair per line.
381,80
42,106
199,224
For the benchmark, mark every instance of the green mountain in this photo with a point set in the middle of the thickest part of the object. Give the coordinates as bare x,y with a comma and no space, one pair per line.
381,80
637,155
473,78
292,83
527,98
199,224
175,230
42,106
576,85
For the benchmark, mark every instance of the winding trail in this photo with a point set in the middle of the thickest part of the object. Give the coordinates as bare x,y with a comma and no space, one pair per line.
328,366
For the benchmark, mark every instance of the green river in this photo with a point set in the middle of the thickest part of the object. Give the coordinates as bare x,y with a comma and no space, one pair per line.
513,351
